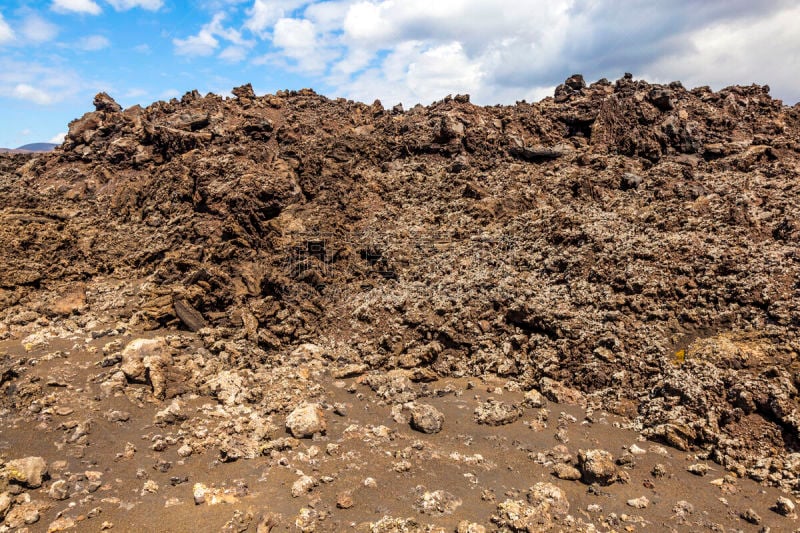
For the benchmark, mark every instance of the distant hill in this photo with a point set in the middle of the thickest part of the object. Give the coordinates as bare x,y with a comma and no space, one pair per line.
38,147
28,148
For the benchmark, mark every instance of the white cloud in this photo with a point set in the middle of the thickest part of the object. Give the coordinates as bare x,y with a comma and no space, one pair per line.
202,44
263,14
143,48
294,35
23,91
6,33
92,43
414,73
37,83
88,7
58,138
728,53
36,29
507,50
206,42
125,5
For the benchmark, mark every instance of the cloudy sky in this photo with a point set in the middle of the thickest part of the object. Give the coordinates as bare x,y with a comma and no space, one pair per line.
56,54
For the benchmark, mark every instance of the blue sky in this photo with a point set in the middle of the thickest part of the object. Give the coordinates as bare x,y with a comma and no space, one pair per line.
56,54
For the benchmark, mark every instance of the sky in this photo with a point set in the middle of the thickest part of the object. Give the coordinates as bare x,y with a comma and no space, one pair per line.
55,55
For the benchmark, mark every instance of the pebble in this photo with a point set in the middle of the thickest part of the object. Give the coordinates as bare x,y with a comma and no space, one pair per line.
784,506
567,472
199,492
303,486
659,470
61,524
699,469
639,503
344,500
59,490
751,516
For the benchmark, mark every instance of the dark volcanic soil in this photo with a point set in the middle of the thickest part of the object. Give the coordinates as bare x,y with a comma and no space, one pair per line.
627,250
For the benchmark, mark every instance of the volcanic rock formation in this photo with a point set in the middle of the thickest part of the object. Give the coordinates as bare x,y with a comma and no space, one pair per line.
623,245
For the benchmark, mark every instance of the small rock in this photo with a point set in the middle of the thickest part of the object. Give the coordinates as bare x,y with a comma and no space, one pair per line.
636,450
465,526
626,459
546,495
659,470
639,503
302,486
306,420
698,469
597,466
117,416
28,471
61,524
21,514
150,486
534,399
751,516
437,502
567,472
306,520
199,492
146,361
426,418
59,490
497,413
103,102
784,506
185,450
344,500
244,91
5,503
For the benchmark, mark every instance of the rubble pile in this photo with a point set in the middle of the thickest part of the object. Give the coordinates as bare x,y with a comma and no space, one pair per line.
622,246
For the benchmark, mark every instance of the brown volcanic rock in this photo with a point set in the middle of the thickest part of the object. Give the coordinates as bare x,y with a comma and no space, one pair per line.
627,244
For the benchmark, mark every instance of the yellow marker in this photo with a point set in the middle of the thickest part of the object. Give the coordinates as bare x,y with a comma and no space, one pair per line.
680,356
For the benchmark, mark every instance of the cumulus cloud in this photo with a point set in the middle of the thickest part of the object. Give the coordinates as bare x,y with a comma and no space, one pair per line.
6,33
23,91
37,83
733,52
263,14
88,7
417,50
125,5
58,138
206,41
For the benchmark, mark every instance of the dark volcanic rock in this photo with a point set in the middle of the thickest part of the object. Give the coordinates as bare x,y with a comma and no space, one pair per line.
624,245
